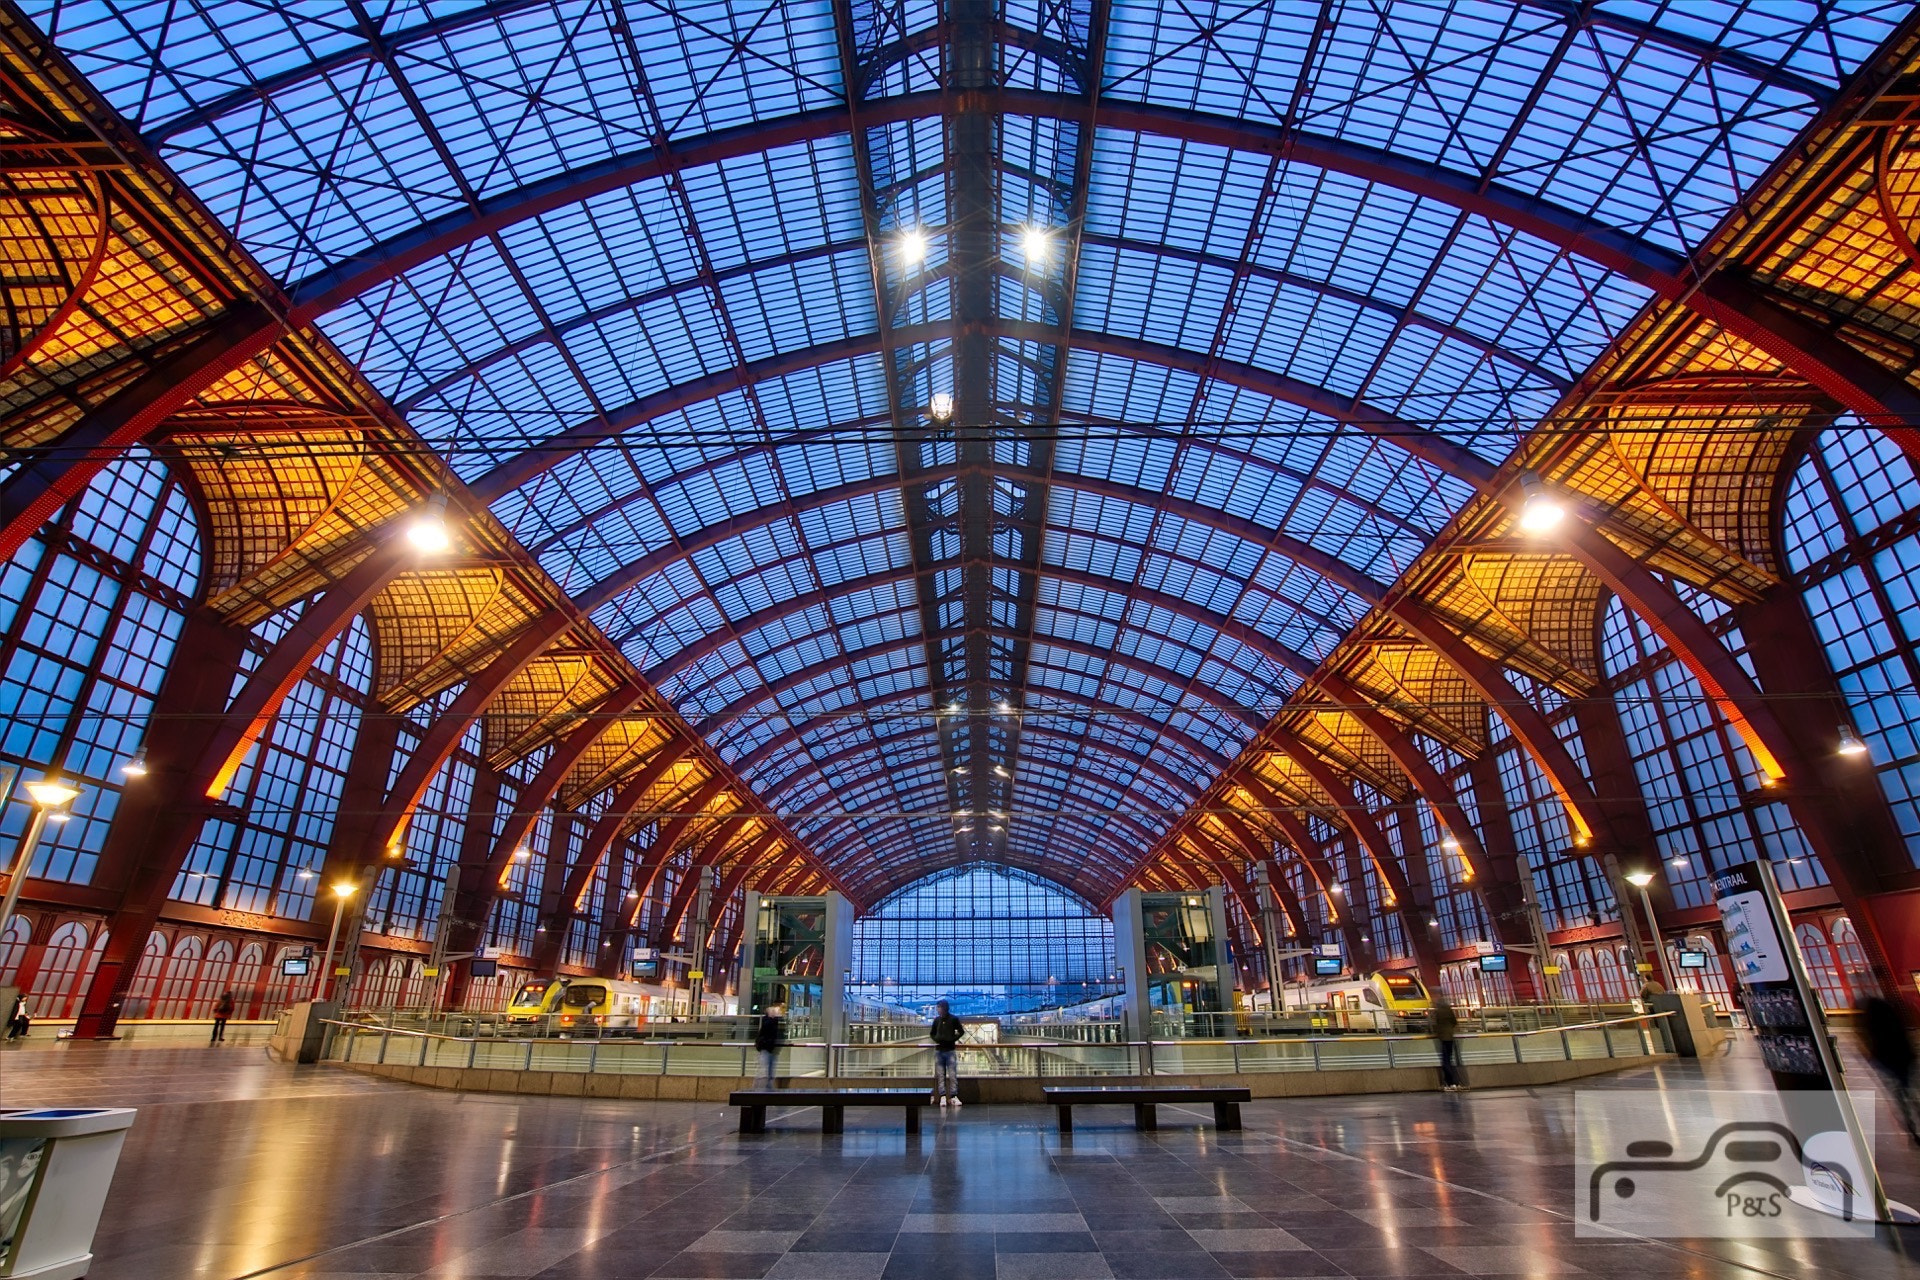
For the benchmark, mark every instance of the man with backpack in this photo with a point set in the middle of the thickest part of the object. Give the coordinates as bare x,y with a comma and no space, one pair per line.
946,1032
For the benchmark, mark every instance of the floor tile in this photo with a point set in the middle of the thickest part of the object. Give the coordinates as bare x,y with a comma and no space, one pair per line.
1052,1266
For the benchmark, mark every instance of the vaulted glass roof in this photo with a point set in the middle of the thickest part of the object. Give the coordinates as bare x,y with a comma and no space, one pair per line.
1234,306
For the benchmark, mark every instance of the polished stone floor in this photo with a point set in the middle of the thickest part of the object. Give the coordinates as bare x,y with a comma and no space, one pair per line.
242,1168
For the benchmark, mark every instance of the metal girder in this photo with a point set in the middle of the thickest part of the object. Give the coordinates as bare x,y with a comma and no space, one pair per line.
828,666
447,729
1361,821
1245,633
46,477
1422,443
254,708
1300,552
606,829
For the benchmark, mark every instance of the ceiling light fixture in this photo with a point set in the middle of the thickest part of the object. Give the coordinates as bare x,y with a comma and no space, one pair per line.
940,408
429,532
1850,743
1540,511
136,767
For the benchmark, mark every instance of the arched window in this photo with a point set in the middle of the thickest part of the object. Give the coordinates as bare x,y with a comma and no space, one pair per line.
90,609
60,971
246,980
13,952
1828,982
1844,530
1695,772
215,977
286,789
176,988
1851,956
1613,984
58,981
146,979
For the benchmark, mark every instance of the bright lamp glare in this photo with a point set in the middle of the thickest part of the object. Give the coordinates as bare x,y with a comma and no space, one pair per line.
940,408
1639,879
1540,511
136,767
52,791
345,890
429,533
1036,244
1850,743
913,248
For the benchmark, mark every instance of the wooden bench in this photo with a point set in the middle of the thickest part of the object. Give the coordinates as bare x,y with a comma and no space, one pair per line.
1226,1101
753,1104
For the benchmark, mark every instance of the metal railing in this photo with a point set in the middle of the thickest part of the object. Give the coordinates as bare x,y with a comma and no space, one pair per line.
365,1043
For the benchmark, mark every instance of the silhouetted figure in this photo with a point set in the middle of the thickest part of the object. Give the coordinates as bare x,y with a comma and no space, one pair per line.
1446,1026
17,1020
222,1010
945,1034
1888,1041
767,1039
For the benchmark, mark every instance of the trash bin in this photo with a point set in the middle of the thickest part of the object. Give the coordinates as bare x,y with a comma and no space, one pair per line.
55,1166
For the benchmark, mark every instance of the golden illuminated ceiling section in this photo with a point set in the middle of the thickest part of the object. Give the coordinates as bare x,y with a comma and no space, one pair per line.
1338,736
1411,681
435,627
544,702
629,743
1535,613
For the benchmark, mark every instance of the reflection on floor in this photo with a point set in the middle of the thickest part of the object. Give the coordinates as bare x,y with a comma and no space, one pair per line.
240,1168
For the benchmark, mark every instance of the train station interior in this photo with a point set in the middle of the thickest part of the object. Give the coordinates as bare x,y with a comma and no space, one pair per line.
905,639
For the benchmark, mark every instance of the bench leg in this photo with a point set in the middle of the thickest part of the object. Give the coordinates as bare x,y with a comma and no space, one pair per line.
833,1119
1145,1116
1066,1118
753,1119
913,1117
1226,1115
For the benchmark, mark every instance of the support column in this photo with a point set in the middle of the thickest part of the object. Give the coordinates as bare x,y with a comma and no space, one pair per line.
1837,801
1618,786
160,816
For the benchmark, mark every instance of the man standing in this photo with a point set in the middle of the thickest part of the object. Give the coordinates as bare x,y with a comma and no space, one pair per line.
1446,1025
945,1033
222,1010
771,1034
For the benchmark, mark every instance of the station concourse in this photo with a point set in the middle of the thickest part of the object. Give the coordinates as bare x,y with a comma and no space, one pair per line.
1342,569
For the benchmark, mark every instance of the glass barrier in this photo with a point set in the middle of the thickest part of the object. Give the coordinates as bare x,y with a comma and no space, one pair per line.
360,1043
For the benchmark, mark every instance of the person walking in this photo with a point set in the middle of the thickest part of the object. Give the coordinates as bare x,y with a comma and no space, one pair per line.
1446,1026
1887,1041
222,1010
945,1033
17,1020
767,1039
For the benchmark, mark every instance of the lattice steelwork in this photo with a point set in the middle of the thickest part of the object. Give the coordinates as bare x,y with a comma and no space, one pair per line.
1237,307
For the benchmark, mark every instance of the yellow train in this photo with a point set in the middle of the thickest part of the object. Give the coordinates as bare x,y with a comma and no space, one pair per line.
1386,1000
566,1004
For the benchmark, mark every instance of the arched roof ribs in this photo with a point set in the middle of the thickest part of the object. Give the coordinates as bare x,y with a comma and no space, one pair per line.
1245,633
696,284
1195,750
1742,308
887,482
707,723
1703,52
1654,267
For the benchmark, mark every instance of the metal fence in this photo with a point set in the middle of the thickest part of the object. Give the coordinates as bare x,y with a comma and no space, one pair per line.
364,1043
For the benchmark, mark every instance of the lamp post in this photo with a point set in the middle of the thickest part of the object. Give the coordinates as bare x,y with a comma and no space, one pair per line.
51,796
1640,880
323,984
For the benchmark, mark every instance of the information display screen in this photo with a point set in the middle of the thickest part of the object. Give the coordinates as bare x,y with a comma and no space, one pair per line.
296,966
1496,963
1693,959
1326,968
